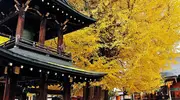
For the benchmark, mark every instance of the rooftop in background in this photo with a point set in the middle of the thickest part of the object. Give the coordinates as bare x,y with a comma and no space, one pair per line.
174,72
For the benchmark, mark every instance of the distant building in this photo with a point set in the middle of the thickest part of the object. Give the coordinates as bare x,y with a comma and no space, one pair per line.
172,78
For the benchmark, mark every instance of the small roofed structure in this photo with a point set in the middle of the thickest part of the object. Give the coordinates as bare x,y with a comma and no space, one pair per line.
173,73
25,60
172,80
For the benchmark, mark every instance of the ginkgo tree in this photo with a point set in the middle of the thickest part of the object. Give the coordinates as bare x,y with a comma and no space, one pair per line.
3,39
132,40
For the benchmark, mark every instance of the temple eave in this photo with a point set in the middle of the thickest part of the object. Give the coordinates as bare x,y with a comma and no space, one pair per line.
24,60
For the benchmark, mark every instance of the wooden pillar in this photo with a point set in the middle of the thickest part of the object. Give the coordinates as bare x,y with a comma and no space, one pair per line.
42,31
97,93
24,96
24,92
91,93
149,96
67,89
1,92
20,24
43,88
10,83
13,84
60,41
6,89
86,92
106,96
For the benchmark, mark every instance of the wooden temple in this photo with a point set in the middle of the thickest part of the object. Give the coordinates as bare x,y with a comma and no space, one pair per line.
25,61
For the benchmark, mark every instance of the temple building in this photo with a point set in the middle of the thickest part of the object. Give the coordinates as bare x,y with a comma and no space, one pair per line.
24,59
172,80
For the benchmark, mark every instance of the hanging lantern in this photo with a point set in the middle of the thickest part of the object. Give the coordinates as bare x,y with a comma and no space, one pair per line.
5,70
169,83
17,70
71,79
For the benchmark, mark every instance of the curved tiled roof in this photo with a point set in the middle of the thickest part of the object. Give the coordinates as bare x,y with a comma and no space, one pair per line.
38,60
172,73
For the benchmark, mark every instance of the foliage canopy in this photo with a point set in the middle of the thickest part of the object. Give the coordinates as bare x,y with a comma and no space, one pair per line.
132,40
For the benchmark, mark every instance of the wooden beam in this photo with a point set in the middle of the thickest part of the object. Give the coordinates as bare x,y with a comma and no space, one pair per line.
106,96
13,85
35,90
60,41
20,24
1,92
98,93
6,89
86,91
67,89
43,88
42,32
91,93
10,83
60,30
10,87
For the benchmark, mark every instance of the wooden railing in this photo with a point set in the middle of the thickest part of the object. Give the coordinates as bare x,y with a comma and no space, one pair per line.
43,48
36,46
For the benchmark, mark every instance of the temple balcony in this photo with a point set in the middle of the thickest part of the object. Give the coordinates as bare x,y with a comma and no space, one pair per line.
34,46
